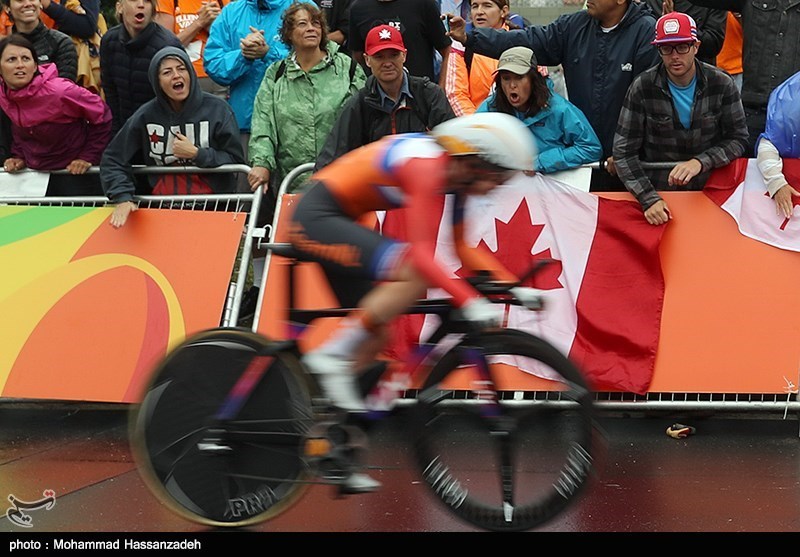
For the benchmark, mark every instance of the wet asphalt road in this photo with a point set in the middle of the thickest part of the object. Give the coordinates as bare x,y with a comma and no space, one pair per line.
736,474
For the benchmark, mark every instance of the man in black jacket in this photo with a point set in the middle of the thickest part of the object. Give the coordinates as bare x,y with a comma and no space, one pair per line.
125,54
392,101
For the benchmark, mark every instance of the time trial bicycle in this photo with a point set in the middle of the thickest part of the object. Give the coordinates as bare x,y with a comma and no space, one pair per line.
232,429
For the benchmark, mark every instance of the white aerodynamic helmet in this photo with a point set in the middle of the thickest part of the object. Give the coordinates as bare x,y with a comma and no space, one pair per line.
496,137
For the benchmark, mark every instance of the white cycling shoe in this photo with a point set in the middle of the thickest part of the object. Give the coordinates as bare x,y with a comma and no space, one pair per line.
359,483
336,380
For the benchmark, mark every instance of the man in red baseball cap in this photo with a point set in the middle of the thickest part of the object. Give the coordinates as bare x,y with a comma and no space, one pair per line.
392,101
681,110
676,41
385,55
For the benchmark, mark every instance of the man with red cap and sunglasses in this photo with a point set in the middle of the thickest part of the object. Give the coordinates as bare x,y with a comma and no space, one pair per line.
681,110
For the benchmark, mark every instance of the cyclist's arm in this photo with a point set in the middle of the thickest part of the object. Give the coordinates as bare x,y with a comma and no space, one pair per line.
475,259
424,180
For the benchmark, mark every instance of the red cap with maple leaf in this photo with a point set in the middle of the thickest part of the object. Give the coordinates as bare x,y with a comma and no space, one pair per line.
383,37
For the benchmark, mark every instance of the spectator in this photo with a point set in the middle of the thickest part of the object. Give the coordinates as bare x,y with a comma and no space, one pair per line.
564,137
125,54
190,20
469,77
779,141
300,97
183,125
337,14
51,46
55,123
295,109
683,111
392,101
80,21
242,43
770,35
710,25
601,50
76,24
419,21
730,57
5,24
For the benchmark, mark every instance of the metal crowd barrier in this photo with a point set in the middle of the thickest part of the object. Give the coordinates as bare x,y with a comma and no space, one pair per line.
249,203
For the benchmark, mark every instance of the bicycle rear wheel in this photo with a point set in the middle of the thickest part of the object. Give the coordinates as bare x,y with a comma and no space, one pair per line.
512,465
255,469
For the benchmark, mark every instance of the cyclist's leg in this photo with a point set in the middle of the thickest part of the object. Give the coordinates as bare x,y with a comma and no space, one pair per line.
383,304
353,257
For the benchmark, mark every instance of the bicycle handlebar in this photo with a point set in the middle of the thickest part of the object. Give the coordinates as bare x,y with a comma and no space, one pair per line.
483,283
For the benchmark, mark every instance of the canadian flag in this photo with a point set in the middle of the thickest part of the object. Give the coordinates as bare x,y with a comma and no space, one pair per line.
605,290
740,190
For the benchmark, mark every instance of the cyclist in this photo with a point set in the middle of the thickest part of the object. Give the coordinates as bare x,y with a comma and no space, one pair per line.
469,155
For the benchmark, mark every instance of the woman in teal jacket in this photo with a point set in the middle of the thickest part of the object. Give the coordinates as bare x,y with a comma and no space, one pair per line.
564,137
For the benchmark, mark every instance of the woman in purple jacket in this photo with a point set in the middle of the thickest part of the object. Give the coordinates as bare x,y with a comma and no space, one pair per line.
54,123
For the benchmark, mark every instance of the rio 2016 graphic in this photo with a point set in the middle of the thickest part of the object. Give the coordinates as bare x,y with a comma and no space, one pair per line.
85,309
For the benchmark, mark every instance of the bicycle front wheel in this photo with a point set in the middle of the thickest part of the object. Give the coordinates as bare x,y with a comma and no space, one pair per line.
231,473
504,465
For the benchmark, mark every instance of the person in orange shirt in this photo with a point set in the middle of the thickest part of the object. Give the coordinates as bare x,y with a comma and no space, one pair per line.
190,20
730,57
469,77
5,24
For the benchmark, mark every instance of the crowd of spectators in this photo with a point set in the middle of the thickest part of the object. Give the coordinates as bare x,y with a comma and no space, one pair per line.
307,82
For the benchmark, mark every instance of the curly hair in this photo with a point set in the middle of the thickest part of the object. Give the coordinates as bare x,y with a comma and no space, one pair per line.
290,16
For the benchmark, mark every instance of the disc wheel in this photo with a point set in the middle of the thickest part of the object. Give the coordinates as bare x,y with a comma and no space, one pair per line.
231,473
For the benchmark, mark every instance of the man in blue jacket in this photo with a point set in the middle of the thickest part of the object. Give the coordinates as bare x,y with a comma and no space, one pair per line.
601,49
242,42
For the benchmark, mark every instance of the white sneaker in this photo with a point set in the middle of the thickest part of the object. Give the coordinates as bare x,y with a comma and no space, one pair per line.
337,381
359,483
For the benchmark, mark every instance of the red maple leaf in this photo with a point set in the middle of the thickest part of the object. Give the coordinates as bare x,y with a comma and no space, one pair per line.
515,241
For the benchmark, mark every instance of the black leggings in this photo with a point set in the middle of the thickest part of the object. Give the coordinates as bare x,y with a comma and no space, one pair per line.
352,256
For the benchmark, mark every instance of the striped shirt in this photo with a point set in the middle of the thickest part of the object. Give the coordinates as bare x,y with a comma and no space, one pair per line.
649,130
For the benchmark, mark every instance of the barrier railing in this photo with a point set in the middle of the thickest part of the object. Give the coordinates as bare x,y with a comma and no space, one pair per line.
249,203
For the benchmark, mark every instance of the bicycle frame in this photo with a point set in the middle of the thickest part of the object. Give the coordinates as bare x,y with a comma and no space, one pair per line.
385,385
233,422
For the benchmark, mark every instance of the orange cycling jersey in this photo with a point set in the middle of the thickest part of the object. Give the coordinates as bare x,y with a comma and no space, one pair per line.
409,171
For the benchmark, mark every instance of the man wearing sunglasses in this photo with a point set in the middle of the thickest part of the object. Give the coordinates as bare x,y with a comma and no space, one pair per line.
682,110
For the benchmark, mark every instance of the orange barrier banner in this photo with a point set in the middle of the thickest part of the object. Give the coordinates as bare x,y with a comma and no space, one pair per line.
730,321
86,309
